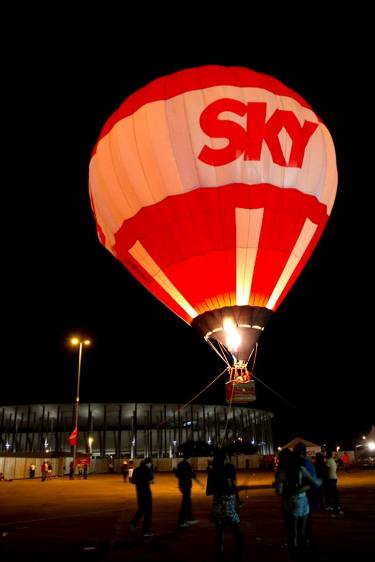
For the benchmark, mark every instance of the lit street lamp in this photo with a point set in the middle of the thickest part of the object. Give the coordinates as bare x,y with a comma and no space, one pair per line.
80,343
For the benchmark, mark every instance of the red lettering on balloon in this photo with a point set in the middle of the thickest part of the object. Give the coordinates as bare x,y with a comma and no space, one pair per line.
249,141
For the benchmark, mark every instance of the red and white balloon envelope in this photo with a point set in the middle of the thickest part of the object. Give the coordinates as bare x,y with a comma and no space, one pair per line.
213,186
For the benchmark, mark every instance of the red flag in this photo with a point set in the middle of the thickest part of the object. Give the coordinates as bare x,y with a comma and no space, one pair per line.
73,437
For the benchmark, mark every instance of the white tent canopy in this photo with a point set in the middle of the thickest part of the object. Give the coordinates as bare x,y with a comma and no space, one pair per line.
311,448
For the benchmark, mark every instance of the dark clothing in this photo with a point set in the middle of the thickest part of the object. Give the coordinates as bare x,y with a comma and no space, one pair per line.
142,476
185,475
237,542
221,484
332,494
144,508
217,481
185,513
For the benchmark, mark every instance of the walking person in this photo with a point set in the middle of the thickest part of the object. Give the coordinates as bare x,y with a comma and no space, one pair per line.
185,476
345,461
125,470
142,478
44,471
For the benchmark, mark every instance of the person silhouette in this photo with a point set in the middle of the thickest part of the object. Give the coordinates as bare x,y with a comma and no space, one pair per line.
142,478
221,484
185,476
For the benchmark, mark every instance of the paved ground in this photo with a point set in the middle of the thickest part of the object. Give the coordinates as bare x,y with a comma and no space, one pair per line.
87,520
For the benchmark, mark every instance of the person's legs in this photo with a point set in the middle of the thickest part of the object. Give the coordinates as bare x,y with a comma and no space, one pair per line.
185,510
328,494
181,515
302,536
137,517
147,507
219,541
293,537
189,513
335,497
237,544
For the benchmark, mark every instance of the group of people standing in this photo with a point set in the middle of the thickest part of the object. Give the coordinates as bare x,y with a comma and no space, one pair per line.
304,488
45,470
221,485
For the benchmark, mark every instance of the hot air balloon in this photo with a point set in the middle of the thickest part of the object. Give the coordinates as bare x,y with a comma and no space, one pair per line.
212,186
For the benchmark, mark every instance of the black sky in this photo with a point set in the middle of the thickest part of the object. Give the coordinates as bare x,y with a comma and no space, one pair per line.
316,351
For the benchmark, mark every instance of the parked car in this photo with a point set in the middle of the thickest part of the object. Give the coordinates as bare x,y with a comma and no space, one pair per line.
366,461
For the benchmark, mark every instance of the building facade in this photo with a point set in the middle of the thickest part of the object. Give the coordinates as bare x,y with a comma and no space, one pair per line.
131,429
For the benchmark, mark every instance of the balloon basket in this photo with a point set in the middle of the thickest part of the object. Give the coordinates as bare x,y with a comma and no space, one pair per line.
238,392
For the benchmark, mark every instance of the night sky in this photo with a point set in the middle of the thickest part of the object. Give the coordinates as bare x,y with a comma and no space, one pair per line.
58,280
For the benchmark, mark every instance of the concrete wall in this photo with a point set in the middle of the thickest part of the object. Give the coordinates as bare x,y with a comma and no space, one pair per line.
18,467
14,468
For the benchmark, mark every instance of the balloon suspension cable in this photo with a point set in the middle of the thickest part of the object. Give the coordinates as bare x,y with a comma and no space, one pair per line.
277,394
255,351
263,383
162,422
226,423
220,353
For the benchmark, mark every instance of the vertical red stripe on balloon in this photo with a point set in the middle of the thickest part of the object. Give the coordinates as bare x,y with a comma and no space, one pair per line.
192,239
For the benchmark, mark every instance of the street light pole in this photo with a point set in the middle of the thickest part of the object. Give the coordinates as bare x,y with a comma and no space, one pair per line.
80,343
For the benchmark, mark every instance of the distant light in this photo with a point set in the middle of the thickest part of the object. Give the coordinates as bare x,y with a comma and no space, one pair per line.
253,442
363,437
77,341
7,445
174,443
209,441
279,448
371,445
45,444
